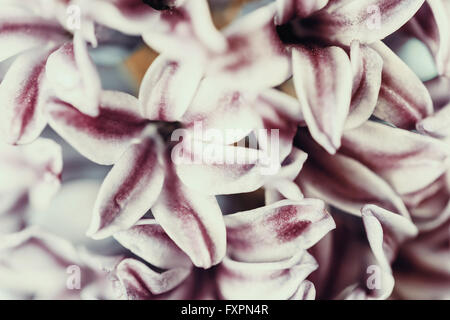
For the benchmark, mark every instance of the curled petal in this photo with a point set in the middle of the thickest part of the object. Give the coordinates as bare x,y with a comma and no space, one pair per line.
193,221
344,182
168,88
104,138
386,231
129,190
365,21
22,98
277,231
323,83
408,161
439,89
269,281
254,51
148,240
288,9
403,99
73,76
139,282
367,68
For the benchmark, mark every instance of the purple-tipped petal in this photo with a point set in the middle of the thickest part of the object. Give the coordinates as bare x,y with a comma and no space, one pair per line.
192,220
323,83
102,139
148,240
403,99
168,89
278,231
268,281
129,190
367,68
73,76
22,98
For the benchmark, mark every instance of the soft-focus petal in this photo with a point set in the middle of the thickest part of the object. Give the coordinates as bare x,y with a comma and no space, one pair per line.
148,240
365,21
254,51
264,281
288,9
139,282
343,182
403,99
278,231
408,161
323,83
129,190
102,139
22,98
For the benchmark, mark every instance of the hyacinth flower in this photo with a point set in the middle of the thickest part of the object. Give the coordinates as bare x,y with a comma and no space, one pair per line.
38,264
30,177
431,26
266,257
51,59
149,174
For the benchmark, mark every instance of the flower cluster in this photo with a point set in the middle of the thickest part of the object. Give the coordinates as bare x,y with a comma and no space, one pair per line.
291,153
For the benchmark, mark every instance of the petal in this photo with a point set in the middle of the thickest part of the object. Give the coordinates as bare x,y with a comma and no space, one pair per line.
344,182
102,139
280,115
254,51
436,125
264,281
278,231
306,291
129,190
323,83
221,114
139,282
223,169
168,88
365,21
403,99
21,31
439,89
73,76
408,161
148,240
367,68
288,9
22,94
386,231
193,221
